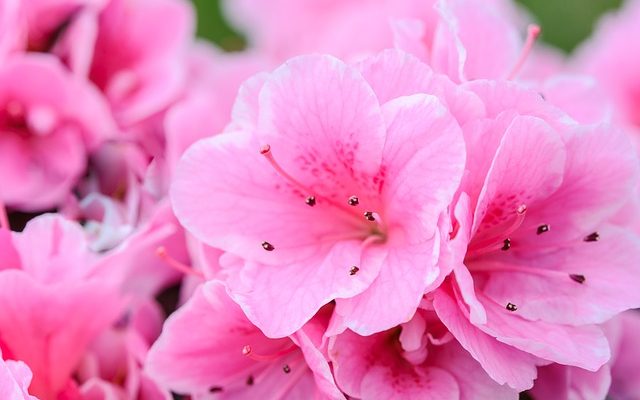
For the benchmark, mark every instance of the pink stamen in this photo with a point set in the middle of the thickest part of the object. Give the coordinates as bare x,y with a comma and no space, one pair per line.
533,31
4,218
495,266
248,352
495,237
268,154
177,265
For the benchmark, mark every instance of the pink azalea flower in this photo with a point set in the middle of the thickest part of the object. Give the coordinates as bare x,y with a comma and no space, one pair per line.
616,380
615,61
138,75
53,304
45,135
532,236
418,360
112,366
317,192
208,348
15,377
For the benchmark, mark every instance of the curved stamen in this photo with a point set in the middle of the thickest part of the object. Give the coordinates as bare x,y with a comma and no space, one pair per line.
311,200
496,266
533,31
177,265
496,238
248,352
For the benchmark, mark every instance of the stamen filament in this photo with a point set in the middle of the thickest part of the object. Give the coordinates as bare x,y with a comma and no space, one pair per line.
248,352
533,31
177,265
268,154
496,266
495,237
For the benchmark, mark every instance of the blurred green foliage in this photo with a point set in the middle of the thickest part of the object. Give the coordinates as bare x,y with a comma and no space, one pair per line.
565,23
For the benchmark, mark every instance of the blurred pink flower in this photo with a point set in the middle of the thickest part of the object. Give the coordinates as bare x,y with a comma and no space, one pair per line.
45,134
15,377
532,235
616,380
614,59
318,194
208,348
53,305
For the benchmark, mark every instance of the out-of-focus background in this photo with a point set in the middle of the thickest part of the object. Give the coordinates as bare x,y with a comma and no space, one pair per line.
565,23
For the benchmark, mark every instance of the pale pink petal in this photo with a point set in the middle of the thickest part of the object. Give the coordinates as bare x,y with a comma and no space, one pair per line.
543,287
582,346
43,324
503,363
201,345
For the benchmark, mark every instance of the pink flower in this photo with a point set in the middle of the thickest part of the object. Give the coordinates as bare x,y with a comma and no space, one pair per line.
208,346
615,61
53,305
419,359
536,262
616,380
15,377
139,55
318,193
45,134
112,366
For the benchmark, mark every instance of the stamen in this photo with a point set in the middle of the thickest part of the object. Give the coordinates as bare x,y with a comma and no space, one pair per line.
311,201
353,201
492,239
177,265
353,270
506,245
4,219
578,278
248,352
250,380
268,154
267,246
594,237
533,31
286,369
543,229
369,216
511,307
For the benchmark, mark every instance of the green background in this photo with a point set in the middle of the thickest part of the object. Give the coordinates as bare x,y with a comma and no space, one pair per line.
564,22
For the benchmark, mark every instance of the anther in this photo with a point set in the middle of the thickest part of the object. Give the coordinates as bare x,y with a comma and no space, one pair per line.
543,229
511,307
353,201
506,245
311,201
578,278
265,149
286,369
369,216
594,237
250,380
268,246
353,270
215,389
246,350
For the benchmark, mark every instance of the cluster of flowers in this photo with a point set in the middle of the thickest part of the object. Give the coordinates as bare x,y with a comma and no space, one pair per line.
378,199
